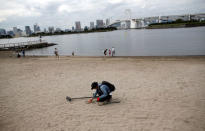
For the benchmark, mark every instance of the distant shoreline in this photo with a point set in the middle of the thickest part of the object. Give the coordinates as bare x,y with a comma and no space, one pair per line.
12,54
181,24
75,32
152,26
64,33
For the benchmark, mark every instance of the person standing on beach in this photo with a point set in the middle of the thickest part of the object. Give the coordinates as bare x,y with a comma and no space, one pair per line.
18,55
103,91
23,52
73,53
105,52
56,53
109,52
113,51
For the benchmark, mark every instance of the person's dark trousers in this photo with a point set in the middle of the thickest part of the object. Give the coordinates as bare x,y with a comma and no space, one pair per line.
107,98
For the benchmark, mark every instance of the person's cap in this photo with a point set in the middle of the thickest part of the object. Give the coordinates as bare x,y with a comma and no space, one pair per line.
94,85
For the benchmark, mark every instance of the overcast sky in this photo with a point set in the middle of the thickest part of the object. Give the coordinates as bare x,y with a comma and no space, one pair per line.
64,13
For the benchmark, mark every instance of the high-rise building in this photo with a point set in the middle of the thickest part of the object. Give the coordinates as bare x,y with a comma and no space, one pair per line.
99,24
45,30
36,28
51,29
92,25
85,28
23,33
15,30
107,22
67,30
2,32
27,30
73,28
11,33
77,26
58,30
19,33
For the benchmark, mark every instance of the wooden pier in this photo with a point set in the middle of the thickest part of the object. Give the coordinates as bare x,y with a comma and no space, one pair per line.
25,45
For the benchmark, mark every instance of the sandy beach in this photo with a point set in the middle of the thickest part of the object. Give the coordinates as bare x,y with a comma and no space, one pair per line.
156,93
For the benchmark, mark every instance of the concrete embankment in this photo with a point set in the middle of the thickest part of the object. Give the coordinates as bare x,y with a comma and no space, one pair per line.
24,46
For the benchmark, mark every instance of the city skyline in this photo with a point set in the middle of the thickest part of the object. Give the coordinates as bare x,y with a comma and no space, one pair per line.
123,24
63,14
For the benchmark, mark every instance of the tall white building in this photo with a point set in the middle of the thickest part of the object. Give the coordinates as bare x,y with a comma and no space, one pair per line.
132,24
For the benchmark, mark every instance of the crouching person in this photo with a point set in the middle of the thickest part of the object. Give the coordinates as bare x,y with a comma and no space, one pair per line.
102,92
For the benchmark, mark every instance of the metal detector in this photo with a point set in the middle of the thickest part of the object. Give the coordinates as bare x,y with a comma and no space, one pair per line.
70,99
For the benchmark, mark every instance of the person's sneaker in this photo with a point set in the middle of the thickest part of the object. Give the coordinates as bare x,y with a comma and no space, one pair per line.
109,100
102,103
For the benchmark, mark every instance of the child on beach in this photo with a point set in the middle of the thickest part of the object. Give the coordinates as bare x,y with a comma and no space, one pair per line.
56,52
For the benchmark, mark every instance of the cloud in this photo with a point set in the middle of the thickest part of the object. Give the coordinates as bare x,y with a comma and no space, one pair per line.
115,1
76,8
15,9
63,13
2,19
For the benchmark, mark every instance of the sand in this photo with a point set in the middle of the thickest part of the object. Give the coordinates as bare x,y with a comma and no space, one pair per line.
156,93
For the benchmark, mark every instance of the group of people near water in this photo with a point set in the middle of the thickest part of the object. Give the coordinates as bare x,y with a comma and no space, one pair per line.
21,53
109,52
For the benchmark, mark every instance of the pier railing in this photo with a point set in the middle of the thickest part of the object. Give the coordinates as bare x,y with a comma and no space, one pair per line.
21,44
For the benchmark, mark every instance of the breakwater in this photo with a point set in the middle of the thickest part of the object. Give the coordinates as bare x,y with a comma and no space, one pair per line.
25,45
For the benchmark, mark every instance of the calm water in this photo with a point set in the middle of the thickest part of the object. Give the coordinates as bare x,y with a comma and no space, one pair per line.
157,42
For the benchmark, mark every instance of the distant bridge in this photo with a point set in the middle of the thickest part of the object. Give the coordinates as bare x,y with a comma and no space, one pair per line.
143,22
128,24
